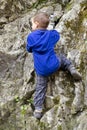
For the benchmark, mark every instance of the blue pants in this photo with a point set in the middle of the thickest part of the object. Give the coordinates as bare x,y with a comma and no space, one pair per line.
41,83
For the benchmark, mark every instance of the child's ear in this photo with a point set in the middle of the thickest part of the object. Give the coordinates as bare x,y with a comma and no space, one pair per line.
37,23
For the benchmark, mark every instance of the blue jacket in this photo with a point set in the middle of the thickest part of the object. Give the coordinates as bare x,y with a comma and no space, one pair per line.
41,43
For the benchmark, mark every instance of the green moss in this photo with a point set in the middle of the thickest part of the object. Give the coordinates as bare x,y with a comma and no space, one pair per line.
43,126
59,127
84,3
69,6
39,2
56,100
16,98
23,109
83,59
83,13
30,101
76,25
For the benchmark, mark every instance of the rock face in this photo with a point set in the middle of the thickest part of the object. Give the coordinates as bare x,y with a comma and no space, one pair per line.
66,99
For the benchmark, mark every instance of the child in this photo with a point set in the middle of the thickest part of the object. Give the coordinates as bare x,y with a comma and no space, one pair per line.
41,43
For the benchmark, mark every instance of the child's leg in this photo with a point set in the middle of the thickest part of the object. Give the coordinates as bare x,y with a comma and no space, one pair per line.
41,87
67,65
64,62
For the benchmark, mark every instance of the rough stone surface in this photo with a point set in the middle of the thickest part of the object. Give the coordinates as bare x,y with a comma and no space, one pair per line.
66,99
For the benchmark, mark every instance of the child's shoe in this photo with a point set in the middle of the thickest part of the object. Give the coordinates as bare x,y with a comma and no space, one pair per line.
76,75
38,114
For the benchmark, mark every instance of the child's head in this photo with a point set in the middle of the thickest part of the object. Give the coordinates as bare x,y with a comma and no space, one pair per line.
40,21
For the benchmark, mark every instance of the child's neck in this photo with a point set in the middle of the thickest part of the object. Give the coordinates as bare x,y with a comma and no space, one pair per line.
40,28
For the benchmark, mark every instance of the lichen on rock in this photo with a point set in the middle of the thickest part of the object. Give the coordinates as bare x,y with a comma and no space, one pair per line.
66,99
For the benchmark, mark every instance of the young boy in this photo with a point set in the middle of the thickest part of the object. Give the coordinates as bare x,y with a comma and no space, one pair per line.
41,43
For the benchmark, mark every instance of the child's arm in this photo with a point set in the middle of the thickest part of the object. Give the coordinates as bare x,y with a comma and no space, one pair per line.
55,37
29,49
29,44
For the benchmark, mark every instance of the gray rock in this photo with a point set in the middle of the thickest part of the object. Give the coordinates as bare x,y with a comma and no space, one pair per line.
66,100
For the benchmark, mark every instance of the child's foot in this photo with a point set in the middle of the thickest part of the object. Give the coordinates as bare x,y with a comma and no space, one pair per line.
38,114
76,75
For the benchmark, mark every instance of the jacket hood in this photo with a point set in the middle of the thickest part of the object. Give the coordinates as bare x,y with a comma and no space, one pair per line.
42,40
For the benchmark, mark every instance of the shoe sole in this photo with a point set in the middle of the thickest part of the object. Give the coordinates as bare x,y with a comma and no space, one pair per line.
76,76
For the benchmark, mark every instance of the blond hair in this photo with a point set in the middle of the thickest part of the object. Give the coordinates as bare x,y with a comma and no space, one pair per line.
42,18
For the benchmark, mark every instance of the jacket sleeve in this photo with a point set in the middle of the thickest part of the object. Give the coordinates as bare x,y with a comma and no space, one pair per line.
29,45
28,48
56,36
